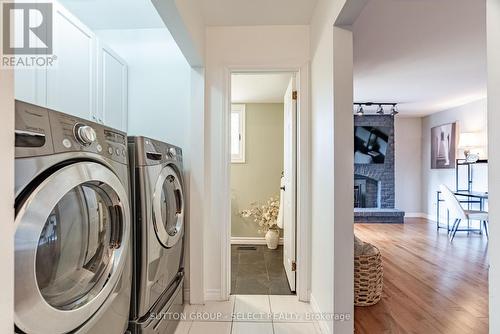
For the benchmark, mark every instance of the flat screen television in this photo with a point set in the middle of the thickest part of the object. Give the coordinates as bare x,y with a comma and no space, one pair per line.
370,144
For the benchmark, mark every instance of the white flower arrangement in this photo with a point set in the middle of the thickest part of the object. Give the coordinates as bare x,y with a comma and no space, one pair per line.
265,215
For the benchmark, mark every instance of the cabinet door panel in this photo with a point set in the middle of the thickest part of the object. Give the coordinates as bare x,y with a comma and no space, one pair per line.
71,83
113,89
30,83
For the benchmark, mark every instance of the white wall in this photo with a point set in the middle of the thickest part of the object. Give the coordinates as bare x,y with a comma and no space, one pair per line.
493,28
184,20
332,179
322,172
343,254
196,189
158,83
159,97
471,117
408,164
229,47
7,201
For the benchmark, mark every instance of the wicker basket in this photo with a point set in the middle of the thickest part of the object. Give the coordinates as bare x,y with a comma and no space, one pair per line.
368,274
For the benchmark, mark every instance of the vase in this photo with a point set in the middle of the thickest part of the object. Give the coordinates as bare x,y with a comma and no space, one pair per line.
272,238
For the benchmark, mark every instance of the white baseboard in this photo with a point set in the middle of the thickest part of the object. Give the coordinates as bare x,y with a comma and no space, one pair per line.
251,241
421,215
212,295
415,215
432,218
324,326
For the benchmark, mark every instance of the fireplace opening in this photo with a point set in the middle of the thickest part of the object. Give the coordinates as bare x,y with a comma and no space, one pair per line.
366,192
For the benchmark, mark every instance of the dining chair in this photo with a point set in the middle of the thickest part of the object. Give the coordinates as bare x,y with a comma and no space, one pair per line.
458,213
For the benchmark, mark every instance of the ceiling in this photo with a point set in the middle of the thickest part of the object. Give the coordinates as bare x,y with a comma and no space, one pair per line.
115,14
429,55
259,88
256,12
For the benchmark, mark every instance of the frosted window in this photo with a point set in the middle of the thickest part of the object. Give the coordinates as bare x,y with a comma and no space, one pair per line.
238,133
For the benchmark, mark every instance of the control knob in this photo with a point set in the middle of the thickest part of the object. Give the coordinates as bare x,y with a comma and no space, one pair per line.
172,152
85,134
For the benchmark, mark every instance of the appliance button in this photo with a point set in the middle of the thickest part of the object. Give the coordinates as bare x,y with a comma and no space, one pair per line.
99,148
66,143
117,151
124,152
110,150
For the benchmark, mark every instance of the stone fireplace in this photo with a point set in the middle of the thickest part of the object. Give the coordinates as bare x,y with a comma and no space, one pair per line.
374,189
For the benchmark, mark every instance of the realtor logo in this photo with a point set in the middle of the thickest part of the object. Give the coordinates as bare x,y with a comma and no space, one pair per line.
27,35
27,28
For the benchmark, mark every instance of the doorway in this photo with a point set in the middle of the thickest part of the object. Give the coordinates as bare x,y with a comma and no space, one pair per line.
263,128
440,142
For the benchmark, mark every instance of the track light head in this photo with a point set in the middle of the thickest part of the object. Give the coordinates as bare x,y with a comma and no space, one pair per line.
360,111
380,110
394,110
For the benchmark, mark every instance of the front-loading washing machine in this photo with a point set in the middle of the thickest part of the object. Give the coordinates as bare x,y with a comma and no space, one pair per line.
72,225
158,235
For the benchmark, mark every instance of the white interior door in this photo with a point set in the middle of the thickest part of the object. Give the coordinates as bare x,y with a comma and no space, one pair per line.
289,217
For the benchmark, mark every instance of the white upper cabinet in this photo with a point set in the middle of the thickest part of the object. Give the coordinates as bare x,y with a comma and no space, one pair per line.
88,79
112,88
71,82
30,83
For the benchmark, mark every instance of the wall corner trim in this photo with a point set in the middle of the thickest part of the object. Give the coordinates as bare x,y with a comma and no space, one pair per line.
213,295
323,325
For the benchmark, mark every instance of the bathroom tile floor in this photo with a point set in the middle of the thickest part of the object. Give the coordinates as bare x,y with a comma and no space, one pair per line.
250,314
255,269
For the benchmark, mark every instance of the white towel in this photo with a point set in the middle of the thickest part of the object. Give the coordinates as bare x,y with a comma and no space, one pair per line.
279,221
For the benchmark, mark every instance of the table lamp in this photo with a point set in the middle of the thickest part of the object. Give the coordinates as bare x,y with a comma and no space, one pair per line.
472,143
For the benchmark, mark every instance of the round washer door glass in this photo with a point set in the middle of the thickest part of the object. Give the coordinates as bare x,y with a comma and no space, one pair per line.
71,245
76,247
168,206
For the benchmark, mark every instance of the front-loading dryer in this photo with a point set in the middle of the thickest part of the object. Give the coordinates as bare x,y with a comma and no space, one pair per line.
72,225
158,235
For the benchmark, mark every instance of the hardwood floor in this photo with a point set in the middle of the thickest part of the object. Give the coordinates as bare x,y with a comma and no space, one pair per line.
430,285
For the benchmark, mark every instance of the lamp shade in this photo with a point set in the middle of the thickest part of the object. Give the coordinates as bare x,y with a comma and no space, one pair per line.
471,139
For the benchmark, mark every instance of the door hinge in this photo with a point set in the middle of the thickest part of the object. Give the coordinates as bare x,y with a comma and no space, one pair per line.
294,266
294,95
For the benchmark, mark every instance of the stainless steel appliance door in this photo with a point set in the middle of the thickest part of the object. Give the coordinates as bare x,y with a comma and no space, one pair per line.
168,207
71,241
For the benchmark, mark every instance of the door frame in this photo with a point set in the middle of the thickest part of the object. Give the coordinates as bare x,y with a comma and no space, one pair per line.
303,226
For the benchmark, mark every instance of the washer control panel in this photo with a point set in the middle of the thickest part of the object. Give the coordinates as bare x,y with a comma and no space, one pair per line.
158,151
150,152
41,131
74,134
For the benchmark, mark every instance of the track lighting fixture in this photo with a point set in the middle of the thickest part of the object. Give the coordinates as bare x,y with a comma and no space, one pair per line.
360,111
